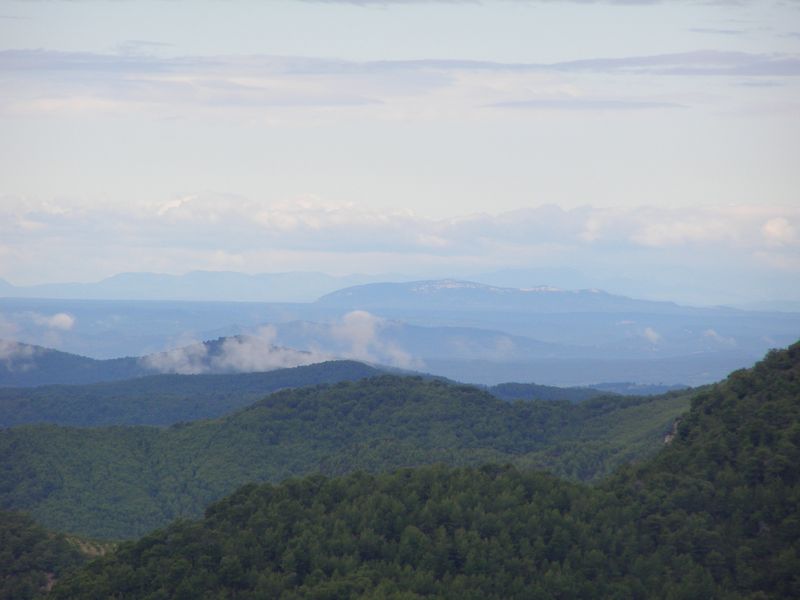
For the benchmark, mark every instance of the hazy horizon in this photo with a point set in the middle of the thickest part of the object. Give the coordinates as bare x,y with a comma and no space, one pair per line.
646,148
308,286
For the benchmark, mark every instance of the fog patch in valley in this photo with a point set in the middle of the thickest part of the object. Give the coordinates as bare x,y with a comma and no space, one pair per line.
17,357
362,332
238,354
357,335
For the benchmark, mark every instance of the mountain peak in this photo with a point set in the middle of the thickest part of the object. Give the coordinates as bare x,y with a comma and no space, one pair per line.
456,294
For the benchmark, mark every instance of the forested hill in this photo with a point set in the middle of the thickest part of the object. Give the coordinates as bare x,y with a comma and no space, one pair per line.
30,557
163,399
713,515
124,481
28,365
531,391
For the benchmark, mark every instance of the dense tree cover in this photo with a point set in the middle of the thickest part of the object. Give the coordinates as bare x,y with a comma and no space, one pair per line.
533,391
628,388
122,482
30,557
436,532
713,515
727,491
162,399
168,399
35,365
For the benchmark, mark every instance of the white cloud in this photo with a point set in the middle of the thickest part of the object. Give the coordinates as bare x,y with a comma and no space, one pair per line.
358,333
678,233
651,335
51,82
625,2
237,354
15,356
258,353
361,332
779,232
186,360
212,231
712,335
60,321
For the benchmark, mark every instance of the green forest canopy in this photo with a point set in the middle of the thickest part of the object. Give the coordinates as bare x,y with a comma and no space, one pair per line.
121,482
712,515
163,399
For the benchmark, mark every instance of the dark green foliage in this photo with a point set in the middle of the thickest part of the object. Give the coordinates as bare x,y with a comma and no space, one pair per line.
124,481
714,515
435,532
627,388
42,366
533,391
727,491
30,557
162,399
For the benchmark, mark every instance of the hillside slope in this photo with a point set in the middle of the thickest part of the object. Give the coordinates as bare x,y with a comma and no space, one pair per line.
28,364
124,481
713,515
30,557
162,399
24,365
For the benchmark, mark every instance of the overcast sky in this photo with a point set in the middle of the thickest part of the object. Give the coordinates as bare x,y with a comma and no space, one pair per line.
639,138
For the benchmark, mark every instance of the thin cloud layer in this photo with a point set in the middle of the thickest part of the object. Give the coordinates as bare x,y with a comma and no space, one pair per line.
239,224
622,2
60,321
48,82
362,333
231,232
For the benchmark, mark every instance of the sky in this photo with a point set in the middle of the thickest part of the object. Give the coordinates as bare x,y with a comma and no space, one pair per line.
650,147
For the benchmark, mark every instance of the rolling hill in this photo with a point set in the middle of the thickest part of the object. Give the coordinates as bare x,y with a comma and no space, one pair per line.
31,558
714,514
162,399
118,482
30,365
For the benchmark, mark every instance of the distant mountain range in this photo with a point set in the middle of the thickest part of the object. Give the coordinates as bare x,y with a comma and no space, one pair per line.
366,291
452,294
196,285
461,354
463,330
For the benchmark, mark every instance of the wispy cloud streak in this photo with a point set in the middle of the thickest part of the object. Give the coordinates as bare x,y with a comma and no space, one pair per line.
53,82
